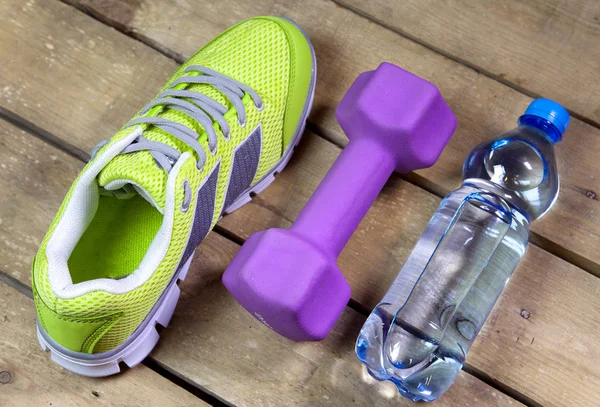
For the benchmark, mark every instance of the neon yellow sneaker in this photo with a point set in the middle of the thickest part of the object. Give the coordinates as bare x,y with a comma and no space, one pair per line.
224,124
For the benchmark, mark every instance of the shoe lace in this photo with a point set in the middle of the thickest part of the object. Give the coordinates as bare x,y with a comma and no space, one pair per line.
201,108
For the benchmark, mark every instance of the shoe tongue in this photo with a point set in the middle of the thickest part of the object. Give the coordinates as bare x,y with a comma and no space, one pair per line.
138,172
132,174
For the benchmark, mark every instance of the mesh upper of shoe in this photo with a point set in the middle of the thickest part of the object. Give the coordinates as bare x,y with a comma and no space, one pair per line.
256,53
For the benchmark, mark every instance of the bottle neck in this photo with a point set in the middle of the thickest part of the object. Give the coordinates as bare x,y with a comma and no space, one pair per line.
543,126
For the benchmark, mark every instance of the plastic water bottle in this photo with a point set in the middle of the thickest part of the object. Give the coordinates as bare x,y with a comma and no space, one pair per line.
419,334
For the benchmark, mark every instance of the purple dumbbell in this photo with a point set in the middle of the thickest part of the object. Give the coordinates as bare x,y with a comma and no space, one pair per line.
288,279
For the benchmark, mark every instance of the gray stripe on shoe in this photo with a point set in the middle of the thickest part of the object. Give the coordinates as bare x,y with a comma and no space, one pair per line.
203,216
245,164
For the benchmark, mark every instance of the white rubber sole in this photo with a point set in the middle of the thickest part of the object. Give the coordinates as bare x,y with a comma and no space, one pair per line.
144,339
136,348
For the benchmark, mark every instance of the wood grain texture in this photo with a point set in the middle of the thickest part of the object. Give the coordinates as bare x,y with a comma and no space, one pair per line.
562,299
346,44
236,356
89,90
212,342
385,238
373,253
550,48
34,177
545,324
35,381
381,243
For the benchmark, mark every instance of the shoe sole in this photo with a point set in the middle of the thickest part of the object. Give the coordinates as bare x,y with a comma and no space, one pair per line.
139,345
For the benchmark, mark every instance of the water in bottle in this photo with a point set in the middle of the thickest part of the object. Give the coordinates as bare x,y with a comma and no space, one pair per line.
419,334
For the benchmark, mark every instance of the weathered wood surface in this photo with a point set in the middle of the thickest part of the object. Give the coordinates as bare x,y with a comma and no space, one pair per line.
495,351
346,44
76,78
212,342
562,299
565,311
549,48
28,378
215,344
34,177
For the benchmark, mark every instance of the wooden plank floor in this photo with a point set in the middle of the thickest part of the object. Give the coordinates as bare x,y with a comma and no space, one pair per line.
73,71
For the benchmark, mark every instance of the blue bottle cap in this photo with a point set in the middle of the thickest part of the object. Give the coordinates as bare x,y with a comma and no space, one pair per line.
550,111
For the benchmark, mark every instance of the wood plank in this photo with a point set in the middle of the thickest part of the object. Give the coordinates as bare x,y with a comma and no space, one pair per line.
212,342
346,45
381,243
394,249
562,299
234,354
545,324
34,178
216,253
90,90
550,48
32,380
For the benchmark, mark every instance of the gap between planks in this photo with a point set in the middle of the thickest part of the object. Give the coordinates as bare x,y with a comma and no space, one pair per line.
549,246
412,178
156,366
509,391
150,363
202,393
181,381
214,400
456,59
177,57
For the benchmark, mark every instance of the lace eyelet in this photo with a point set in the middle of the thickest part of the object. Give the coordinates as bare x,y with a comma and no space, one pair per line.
227,137
260,108
242,124
187,196
214,151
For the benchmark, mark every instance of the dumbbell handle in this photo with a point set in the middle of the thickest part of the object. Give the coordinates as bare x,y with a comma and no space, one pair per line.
345,195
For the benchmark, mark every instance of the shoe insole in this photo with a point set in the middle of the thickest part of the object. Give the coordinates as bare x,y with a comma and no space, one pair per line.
116,240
